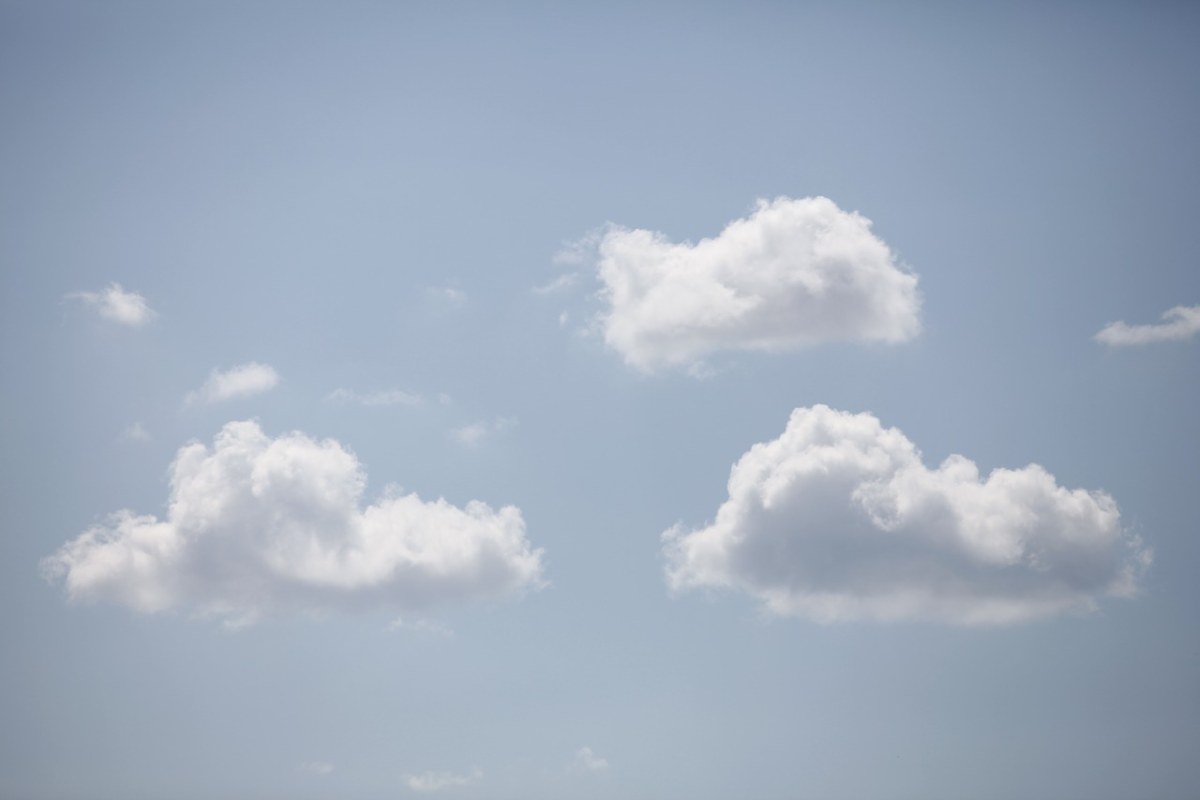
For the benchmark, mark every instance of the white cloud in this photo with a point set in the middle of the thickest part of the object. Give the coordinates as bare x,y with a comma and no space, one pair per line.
135,433
1179,324
257,525
117,305
240,381
588,761
437,781
793,273
472,435
839,519
316,767
385,397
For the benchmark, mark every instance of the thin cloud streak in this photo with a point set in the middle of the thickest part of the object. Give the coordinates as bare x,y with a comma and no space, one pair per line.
428,782
243,380
384,397
1178,324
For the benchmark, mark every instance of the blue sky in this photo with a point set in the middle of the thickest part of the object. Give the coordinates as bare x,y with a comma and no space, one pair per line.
404,333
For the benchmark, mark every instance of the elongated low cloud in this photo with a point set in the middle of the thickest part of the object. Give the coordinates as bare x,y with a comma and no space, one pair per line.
1178,324
793,273
382,397
256,525
437,781
839,519
321,768
117,305
243,380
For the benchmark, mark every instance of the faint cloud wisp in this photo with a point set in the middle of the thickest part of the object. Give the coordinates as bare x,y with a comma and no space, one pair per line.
384,397
136,432
320,768
474,434
587,761
428,782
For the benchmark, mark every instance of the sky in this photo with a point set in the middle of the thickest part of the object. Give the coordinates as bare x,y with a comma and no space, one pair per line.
626,400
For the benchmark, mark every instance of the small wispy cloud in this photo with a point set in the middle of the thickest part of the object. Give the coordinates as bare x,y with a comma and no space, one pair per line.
450,295
384,397
1178,324
437,781
581,250
321,768
573,254
240,381
135,433
115,304
586,760
473,435
559,284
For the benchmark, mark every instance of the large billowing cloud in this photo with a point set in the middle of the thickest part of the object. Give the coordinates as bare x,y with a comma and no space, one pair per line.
256,525
1178,324
793,273
839,519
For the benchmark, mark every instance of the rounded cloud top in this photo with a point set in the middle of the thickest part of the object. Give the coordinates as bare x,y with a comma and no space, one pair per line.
257,525
840,519
795,272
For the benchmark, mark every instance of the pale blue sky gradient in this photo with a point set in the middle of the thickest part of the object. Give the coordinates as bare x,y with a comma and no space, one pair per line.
287,182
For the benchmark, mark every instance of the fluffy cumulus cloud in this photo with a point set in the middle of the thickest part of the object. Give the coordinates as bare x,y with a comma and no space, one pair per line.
793,273
257,525
240,381
437,781
117,305
839,519
1178,324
